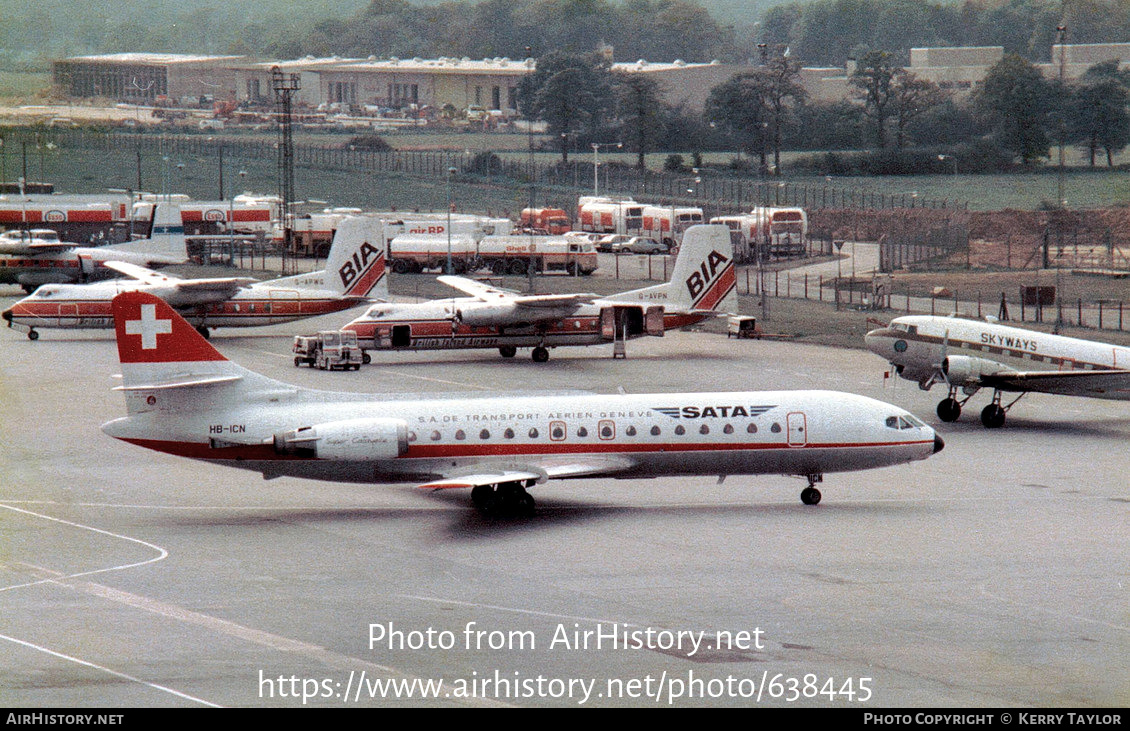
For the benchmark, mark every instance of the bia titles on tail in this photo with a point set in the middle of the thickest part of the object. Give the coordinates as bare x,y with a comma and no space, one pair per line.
702,285
354,274
184,398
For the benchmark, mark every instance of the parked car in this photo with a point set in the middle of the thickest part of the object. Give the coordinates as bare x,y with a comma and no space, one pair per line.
607,242
639,245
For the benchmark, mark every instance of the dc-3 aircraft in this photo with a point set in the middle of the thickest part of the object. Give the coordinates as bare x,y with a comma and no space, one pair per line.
702,285
355,273
37,257
184,398
972,354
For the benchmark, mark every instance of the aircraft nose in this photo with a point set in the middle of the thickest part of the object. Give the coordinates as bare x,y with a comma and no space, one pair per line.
7,315
873,340
939,444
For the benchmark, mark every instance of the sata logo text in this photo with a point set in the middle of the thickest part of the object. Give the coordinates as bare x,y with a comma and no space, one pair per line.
358,263
707,273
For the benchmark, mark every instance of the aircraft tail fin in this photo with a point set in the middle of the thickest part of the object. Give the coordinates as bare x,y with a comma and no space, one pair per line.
166,242
355,266
165,361
703,279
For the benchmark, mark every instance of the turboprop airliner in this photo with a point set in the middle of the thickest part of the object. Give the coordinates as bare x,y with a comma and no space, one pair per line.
354,274
184,398
974,354
33,258
702,285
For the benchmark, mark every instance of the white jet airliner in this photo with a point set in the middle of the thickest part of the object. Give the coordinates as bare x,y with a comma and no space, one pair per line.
354,274
702,285
972,354
184,398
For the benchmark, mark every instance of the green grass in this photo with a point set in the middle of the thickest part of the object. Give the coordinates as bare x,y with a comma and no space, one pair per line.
23,87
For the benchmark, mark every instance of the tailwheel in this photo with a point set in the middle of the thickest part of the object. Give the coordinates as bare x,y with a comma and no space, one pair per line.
810,495
949,409
540,354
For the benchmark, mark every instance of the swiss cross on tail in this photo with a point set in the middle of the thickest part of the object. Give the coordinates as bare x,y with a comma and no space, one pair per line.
149,331
711,282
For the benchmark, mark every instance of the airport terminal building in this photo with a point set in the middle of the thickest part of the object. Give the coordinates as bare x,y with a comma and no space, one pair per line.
489,83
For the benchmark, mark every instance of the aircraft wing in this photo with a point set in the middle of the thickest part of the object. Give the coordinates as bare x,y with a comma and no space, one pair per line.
476,289
180,292
487,293
1069,383
546,469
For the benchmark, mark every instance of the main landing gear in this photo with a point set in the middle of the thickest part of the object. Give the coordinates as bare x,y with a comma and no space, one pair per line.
507,500
992,416
540,354
810,495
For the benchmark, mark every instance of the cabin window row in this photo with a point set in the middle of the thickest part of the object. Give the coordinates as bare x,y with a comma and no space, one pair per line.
606,430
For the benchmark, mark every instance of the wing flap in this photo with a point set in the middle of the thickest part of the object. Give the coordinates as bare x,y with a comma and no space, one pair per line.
484,478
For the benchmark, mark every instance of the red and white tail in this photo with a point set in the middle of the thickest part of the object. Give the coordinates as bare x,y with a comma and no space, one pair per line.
167,364
149,331
355,266
703,279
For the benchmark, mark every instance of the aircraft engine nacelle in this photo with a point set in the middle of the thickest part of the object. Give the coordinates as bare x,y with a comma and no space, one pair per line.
488,315
964,370
351,440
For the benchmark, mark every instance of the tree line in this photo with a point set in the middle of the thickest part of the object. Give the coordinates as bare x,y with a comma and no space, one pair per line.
820,32
907,124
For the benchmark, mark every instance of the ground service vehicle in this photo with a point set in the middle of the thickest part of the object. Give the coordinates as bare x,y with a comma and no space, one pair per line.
328,350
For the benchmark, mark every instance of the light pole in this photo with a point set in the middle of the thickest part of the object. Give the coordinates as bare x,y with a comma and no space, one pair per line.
596,163
450,171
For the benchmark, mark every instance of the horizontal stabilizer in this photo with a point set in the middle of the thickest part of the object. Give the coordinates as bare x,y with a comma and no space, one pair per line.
186,381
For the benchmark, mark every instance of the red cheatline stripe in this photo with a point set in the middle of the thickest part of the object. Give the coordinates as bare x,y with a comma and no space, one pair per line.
266,452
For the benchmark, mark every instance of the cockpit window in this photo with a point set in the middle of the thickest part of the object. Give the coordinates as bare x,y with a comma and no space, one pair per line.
903,422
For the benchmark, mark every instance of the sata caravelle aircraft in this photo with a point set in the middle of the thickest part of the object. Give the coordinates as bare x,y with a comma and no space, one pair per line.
702,285
355,273
974,354
34,258
184,398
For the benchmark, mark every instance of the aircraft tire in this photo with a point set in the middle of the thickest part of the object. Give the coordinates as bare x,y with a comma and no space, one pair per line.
366,359
992,416
507,351
32,335
810,496
539,354
949,410
482,496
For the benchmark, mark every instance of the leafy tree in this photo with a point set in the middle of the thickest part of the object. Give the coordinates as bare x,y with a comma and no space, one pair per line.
738,107
911,97
781,90
569,92
1100,117
639,109
1016,99
873,78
